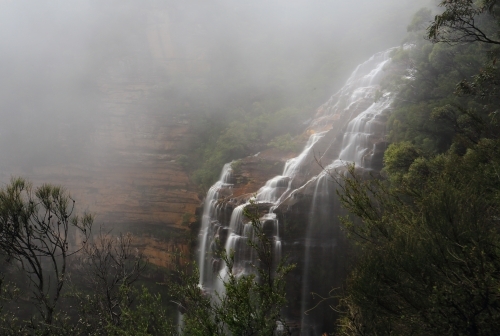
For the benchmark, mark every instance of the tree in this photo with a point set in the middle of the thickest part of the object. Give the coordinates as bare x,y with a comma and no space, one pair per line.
110,267
427,231
250,305
429,259
38,230
466,21
39,234
147,317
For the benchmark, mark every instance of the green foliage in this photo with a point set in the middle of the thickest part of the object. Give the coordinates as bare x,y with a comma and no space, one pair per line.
236,166
37,227
420,20
431,84
285,143
250,305
242,137
109,268
429,259
147,317
182,160
427,235
465,21
399,157
37,240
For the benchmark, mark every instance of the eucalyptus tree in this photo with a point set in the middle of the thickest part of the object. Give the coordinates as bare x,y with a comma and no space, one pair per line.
464,21
39,233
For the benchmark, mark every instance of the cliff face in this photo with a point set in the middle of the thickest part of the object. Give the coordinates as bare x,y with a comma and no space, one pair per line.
251,173
125,170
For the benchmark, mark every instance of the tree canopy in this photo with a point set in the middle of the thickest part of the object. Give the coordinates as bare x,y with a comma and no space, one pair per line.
466,21
427,230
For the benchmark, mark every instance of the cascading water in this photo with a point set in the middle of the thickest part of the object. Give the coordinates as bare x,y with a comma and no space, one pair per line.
211,227
280,186
349,128
322,231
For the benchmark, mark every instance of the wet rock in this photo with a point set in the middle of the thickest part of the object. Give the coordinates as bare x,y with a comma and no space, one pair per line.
268,227
223,234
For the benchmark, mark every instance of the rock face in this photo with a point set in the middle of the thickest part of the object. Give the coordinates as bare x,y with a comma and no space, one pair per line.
125,169
252,172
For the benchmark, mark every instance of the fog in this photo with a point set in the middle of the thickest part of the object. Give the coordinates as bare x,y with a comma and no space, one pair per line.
68,68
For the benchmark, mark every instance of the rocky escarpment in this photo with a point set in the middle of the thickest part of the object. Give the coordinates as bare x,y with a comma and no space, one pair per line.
125,168
127,173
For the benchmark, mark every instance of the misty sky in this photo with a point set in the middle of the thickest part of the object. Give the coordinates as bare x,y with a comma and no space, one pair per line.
56,55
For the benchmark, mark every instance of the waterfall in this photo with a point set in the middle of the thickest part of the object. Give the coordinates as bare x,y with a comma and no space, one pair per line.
348,128
322,230
210,226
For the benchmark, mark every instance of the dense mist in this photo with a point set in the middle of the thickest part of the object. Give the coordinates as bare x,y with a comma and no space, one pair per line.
85,81
278,167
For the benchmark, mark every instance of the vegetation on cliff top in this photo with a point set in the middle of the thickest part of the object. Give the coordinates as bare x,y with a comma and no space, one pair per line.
427,239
